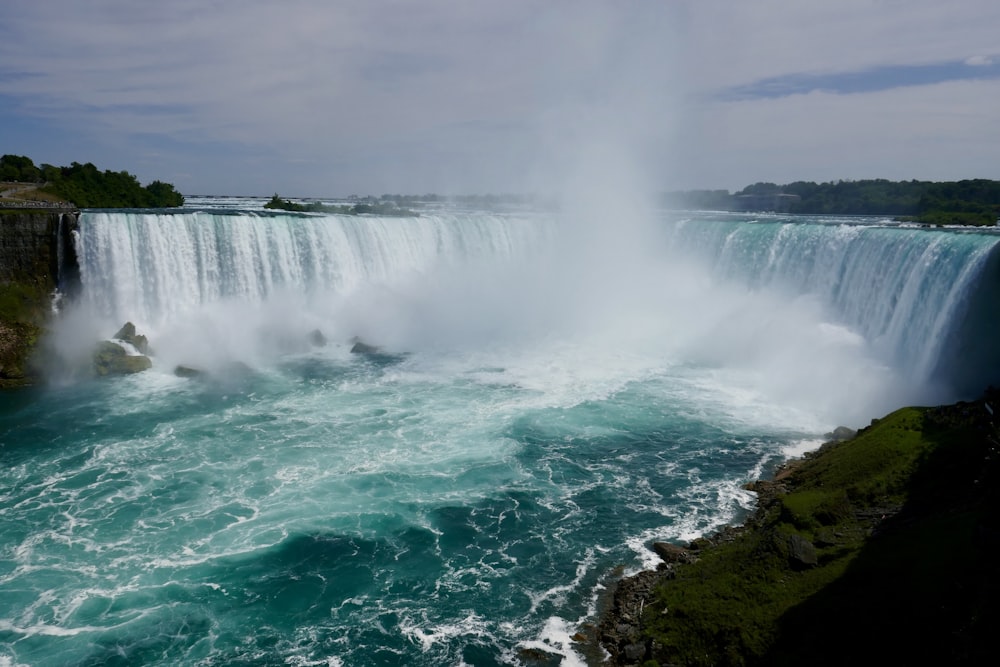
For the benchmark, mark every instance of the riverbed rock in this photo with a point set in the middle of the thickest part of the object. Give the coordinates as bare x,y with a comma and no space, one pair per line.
316,338
127,333
361,347
110,358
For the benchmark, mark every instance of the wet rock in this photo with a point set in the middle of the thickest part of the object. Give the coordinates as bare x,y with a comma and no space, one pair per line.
187,372
127,333
361,347
671,553
536,657
316,338
110,358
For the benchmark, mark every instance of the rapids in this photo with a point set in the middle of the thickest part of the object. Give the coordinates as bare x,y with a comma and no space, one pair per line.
548,399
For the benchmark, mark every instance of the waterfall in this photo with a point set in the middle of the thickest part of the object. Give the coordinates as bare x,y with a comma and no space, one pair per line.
151,266
924,299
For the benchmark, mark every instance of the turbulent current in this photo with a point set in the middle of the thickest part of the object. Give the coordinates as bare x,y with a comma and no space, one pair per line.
550,394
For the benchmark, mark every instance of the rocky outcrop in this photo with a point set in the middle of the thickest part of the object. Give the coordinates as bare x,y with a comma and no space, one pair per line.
361,347
316,338
852,552
37,257
127,334
112,358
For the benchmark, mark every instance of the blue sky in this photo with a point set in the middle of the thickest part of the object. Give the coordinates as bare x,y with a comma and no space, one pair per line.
313,98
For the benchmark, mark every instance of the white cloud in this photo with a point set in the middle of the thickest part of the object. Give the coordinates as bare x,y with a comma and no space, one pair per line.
979,61
363,96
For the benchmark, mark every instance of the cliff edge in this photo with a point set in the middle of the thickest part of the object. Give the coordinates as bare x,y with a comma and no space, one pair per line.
37,258
874,550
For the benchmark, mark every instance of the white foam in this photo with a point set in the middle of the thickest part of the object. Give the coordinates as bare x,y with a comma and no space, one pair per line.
557,637
46,630
798,448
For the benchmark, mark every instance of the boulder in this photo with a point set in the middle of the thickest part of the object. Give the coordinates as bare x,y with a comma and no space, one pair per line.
187,372
316,338
361,347
127,333
110,358
801,552
671,553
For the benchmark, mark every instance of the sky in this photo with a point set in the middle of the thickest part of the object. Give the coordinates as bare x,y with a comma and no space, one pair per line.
322,98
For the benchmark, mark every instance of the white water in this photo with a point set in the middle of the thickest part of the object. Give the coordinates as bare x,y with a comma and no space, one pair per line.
552,399
841,321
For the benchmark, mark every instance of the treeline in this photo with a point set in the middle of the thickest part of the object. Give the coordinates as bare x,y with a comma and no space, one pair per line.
88,187
974,201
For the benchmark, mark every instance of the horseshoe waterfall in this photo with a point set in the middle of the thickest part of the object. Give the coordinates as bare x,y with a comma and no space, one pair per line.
437,439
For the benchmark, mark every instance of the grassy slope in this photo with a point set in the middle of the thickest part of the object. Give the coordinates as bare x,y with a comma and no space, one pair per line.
903,518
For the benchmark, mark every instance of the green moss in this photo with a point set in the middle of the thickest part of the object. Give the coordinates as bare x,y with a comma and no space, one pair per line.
749,601
21,302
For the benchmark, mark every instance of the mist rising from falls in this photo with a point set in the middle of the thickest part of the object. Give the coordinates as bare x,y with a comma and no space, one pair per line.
842,321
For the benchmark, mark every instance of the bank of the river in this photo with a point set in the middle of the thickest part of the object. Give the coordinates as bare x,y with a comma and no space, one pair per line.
875,550
36,256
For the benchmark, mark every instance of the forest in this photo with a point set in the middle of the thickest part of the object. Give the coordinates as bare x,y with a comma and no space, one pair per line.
968,202
88,187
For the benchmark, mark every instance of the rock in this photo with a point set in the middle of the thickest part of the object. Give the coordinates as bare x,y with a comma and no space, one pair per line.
671,553
801,552
700,543
361,347
110,358
127,333
17,339
316,338
536,657
841,433
635,652
187,372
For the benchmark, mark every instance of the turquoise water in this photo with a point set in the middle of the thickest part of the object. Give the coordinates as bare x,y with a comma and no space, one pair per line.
531,423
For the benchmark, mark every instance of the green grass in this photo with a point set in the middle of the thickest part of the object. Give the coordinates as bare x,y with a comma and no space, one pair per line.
911,479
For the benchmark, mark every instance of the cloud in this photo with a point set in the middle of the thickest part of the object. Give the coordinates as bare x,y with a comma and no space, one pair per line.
310,97
980,61
867,80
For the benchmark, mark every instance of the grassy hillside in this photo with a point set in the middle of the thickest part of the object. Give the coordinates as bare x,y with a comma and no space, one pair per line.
876,550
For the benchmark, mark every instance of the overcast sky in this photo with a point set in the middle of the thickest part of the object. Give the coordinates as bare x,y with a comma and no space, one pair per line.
330,98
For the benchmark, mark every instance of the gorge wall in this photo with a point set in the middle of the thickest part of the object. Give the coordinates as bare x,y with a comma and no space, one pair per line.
37,257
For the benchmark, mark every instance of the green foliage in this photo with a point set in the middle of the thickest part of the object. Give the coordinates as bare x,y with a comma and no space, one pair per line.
19,168
968,202
19,302
746,602
87,187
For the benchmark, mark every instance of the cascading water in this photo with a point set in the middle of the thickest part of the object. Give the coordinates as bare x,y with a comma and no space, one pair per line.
546,404
907,291
152,266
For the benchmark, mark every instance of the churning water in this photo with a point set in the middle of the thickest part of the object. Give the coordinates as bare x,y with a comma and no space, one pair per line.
547,399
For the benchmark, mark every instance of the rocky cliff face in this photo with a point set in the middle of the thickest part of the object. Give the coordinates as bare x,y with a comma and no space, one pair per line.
37,256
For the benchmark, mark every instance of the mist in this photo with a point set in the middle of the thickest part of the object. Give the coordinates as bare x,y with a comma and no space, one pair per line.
593,285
